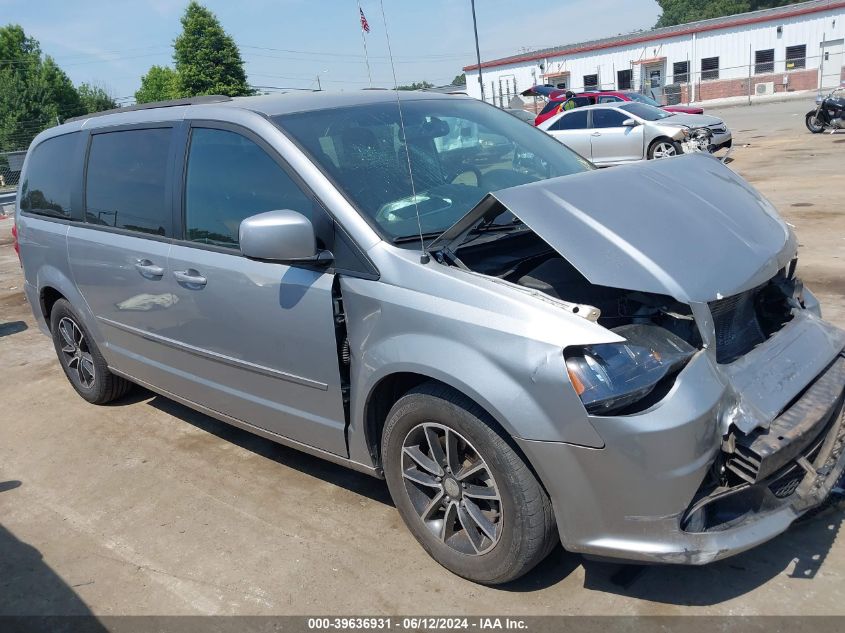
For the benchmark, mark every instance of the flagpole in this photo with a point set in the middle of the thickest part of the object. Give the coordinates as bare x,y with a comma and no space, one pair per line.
364,40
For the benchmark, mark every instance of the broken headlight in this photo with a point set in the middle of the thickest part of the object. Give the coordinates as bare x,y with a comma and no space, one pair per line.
611,376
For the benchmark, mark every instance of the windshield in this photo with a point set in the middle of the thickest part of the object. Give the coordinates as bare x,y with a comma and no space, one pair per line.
643,111
460,150
640,98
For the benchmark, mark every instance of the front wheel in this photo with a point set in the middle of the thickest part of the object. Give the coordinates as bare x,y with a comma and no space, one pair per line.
664,148
463,491
814,124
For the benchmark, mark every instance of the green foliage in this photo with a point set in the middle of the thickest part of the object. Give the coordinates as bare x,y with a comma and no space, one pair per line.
416,86
681,11
159,84
34,92
207,59
460,80
95,98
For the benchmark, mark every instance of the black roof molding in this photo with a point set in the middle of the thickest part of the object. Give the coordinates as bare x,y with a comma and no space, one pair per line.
205,99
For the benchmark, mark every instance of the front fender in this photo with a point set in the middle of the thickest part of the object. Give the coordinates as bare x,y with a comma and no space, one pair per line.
521,382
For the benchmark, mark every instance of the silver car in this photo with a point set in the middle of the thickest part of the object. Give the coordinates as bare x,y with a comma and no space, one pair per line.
630,131
520,358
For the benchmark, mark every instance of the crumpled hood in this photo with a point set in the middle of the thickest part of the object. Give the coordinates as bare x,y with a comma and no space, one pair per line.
687,227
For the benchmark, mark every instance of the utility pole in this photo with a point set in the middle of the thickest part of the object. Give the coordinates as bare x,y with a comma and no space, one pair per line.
477,50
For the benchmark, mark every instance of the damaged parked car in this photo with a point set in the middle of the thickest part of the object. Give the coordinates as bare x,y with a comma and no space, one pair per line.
613,134
522,362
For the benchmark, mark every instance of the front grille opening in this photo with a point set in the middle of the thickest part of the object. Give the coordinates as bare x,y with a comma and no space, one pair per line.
745,320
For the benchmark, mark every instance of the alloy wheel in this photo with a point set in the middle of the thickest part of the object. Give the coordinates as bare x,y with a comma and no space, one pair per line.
664,150
75,349
452,488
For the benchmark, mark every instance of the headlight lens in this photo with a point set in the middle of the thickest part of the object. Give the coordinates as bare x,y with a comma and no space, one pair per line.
613,375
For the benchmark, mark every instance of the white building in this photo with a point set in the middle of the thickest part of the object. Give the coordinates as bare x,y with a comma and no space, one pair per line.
795,47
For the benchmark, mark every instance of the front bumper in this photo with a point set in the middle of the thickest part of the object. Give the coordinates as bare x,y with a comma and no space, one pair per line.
721,141
642,497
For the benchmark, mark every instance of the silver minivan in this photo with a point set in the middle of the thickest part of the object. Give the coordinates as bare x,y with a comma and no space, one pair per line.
527,349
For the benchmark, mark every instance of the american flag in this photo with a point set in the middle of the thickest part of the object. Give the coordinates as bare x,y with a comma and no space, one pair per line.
364,24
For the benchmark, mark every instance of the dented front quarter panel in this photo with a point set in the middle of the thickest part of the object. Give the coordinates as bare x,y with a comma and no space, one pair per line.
498,345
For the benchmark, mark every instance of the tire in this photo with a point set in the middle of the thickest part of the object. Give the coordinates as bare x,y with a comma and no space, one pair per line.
80,358
664,148
813,124
521,522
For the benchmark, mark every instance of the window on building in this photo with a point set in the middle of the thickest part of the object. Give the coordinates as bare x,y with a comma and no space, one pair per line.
680,72
49,180
230,178
709,68
126,182
591,82
764,61
623,79
796,57
576,120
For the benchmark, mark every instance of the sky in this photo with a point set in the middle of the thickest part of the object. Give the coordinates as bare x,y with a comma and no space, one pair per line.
288,43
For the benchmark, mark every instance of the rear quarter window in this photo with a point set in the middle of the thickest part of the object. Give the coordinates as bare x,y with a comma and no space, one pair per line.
49,180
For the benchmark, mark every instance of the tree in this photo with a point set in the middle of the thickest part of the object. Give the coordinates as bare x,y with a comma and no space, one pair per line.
460,80
416,86
681,11
159,84
95,98
34,92
207,59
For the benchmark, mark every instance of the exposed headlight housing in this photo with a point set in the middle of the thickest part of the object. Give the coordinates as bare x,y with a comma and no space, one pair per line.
611,376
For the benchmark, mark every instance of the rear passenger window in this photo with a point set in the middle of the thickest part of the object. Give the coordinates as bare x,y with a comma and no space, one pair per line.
126,181
230,178
47,186
573,121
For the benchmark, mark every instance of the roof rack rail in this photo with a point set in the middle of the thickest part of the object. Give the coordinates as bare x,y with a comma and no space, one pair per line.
156,104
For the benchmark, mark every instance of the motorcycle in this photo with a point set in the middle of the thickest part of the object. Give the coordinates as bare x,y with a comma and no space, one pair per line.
829,113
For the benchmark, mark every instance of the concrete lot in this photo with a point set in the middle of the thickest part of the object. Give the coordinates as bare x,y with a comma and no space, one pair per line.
146,507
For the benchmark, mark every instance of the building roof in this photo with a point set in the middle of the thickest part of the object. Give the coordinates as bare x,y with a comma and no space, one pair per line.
741,19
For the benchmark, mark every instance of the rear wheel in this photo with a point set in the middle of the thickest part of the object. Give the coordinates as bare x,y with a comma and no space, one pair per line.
84,366
463,491
814,124
664,148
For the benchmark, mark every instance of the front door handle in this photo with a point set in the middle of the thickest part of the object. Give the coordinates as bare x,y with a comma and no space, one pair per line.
190,278
596,134
148,269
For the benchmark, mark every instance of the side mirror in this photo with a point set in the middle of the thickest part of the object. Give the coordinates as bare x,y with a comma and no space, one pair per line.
630,123
283,236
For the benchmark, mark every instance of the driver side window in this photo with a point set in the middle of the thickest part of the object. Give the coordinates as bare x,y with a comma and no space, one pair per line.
228,179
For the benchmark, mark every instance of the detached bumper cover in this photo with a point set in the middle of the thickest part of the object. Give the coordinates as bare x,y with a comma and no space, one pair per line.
640,497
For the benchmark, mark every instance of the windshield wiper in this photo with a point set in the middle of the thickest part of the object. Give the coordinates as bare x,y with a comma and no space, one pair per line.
402,239
490,227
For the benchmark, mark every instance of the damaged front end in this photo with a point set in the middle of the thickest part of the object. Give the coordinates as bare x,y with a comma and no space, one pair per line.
697,140
721,407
